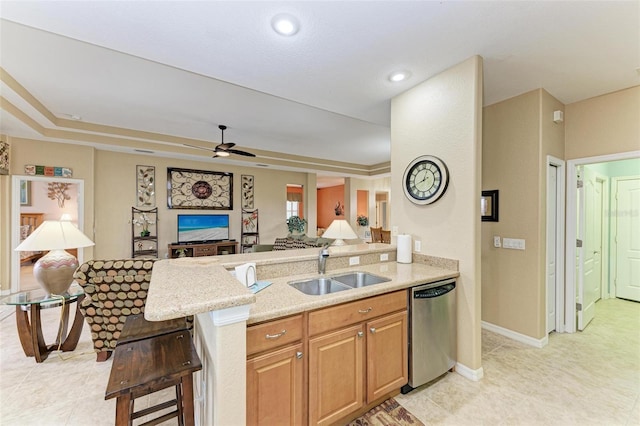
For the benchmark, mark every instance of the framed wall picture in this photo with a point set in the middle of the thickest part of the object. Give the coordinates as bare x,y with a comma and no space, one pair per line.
199,189
4,158
250,222
145,186
489,206
25,192
247,191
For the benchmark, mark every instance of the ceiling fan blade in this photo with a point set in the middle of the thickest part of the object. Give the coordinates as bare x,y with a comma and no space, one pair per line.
238,152
197,147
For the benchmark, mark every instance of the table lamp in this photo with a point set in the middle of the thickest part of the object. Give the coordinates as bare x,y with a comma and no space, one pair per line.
339,230
54,271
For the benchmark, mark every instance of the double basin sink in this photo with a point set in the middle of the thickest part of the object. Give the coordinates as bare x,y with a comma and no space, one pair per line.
327,285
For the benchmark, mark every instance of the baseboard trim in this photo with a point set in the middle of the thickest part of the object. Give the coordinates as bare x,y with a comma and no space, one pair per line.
468,373
514,335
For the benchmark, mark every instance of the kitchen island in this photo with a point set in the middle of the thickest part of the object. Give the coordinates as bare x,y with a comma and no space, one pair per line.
224,307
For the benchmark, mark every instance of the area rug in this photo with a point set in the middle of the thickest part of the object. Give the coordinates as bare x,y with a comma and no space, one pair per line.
389,413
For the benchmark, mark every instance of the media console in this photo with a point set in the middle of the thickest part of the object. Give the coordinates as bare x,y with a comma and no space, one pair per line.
203,249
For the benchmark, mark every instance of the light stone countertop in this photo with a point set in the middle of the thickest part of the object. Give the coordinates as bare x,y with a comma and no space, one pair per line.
188,286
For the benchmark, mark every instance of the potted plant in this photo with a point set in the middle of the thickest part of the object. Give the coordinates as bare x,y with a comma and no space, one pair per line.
362,220
296,224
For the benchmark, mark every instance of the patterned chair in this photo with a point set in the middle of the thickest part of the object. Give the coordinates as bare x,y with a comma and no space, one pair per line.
114,289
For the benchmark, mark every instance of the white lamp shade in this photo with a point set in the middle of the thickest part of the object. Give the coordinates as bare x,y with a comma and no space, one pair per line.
53,235
340,230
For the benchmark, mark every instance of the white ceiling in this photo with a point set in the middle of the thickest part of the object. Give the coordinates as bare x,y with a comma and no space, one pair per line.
182,68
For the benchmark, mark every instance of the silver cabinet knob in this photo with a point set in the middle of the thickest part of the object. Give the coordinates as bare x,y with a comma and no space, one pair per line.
360,334
299,355
372,330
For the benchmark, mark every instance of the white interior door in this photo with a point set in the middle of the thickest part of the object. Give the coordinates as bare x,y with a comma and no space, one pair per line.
552,191
590,258
628,239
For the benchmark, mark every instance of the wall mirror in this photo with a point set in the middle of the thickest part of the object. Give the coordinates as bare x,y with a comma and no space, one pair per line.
489,206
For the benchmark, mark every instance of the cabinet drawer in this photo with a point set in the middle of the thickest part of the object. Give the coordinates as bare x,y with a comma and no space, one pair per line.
204,251
339,316
273,334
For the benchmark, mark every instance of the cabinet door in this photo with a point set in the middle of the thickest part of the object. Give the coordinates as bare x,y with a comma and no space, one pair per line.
387,355
336,374
274,388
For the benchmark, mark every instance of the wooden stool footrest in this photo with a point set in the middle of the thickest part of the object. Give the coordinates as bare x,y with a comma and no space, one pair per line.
158,407
160,419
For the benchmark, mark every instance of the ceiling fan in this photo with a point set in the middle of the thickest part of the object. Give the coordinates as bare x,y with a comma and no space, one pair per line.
224,149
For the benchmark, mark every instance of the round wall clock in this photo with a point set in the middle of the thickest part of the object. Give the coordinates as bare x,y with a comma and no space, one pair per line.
425,180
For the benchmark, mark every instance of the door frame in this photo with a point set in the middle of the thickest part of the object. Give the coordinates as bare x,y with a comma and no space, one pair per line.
15,219
570,244
560,215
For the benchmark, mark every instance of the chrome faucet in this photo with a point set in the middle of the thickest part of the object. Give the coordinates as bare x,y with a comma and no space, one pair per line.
322,259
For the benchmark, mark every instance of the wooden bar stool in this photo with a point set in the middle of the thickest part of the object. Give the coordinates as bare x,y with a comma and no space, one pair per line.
149,365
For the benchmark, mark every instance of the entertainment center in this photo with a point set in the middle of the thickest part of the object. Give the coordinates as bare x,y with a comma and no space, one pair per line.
202,249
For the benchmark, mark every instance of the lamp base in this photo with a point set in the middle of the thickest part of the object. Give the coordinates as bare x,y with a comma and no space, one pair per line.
54,271
339,242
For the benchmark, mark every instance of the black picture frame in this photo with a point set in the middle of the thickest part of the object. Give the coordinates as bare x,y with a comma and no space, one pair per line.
489,205
199,189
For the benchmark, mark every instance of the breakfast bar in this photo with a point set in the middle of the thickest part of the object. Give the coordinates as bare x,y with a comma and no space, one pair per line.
224,307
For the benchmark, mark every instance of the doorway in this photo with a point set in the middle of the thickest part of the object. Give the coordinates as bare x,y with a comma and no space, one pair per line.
36,195
382,210
620,164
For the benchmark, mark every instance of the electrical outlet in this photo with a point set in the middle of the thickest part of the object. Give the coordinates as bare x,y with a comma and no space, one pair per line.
496,241
355,260
417,245
394,231
384,256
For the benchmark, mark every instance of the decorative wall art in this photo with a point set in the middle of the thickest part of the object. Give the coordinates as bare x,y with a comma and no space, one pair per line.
4,158
58,191
199,189
489,206
30,169
145,186
249,240
247,191
249,222
25,193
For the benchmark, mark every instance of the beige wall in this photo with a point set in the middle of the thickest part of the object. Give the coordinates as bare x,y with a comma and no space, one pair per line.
518,134
443,116
606,124
115,184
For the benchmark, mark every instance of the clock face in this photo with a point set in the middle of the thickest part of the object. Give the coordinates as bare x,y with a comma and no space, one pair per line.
425,179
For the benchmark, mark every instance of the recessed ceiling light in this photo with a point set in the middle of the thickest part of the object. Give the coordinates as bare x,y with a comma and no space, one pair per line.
285,24
399,76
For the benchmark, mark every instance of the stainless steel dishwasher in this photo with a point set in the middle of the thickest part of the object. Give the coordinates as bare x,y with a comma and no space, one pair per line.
432,331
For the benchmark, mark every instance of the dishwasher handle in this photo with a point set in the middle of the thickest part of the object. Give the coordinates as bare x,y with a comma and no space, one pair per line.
430,293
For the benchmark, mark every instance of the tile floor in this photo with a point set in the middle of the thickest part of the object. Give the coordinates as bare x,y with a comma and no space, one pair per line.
588,378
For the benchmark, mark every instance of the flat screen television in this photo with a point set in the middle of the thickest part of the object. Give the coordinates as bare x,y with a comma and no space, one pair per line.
201,228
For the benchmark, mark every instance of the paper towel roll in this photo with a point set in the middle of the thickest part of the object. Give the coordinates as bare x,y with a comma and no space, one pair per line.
404,248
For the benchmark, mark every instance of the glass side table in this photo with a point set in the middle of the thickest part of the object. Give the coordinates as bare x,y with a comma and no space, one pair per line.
30,328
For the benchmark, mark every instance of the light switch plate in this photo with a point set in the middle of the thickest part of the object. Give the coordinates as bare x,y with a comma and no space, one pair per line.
355,260
417,245
496,241
513,243
384,256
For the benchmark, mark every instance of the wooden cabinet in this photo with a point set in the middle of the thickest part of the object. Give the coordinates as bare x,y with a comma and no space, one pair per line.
336,373
357,354
275,373
274,387
387,355
205,249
